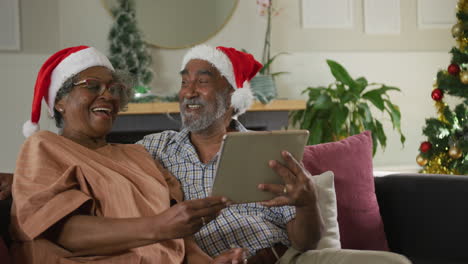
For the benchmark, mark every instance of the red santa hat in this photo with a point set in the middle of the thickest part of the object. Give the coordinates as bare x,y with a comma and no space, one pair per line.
54,72
236,66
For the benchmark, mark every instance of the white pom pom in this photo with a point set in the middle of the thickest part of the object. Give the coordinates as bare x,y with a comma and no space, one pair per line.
30,128
242,99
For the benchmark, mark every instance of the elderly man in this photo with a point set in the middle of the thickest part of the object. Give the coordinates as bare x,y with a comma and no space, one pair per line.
214,91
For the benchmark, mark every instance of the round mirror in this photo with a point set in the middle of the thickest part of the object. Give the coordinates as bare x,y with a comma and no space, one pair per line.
177,24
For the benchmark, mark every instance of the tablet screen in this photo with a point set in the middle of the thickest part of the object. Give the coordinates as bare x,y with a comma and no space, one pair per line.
243,162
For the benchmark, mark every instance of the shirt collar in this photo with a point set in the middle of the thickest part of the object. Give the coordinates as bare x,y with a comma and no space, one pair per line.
181,137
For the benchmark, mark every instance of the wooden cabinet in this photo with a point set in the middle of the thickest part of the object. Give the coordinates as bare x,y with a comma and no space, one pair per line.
145,118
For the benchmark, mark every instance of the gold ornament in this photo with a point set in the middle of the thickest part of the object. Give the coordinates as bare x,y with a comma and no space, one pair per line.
440,106
421,161
457,30
463,6
464,77
438,165
462,42
455,152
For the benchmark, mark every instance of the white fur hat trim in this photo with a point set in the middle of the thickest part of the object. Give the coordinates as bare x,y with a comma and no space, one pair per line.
71,65
30,128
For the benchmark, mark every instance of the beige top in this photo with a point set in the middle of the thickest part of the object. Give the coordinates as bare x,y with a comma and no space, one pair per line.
54,176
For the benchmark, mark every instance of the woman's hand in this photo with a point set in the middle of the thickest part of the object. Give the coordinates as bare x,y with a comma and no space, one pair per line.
234,255
298,190
186,218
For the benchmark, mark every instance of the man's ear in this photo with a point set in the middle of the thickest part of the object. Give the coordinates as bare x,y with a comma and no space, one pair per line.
60,105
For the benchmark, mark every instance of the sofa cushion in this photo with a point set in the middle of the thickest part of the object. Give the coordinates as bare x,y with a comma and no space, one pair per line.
359,219
325,187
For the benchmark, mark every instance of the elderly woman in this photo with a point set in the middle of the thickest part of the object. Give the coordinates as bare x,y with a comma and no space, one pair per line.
77,198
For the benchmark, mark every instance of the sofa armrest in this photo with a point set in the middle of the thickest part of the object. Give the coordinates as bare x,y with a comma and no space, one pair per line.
425,216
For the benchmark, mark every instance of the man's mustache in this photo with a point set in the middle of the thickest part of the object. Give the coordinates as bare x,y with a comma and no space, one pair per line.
198,101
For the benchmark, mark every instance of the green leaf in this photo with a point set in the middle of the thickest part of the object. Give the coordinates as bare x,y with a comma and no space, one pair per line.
394,113
375,96
340,90
354,129
270,61
374,143
323,102
395,116
333,93
338,117
365,112
308,117
385,88
380,134
361,84
313,92
316,133
296,116
347,97
369,125
278,73
340,73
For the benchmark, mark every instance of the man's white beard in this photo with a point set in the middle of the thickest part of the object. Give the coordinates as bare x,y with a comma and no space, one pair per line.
195,122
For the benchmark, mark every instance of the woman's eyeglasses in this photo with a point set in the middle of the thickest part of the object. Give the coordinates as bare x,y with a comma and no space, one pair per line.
97,87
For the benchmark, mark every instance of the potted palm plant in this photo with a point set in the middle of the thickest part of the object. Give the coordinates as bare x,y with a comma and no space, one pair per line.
343,108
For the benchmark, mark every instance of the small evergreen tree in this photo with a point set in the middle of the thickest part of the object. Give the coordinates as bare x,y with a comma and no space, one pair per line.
446,149
127,50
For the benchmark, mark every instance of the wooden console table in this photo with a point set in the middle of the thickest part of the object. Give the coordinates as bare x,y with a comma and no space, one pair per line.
145,118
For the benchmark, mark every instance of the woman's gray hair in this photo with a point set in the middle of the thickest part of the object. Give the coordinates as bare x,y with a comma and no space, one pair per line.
121,76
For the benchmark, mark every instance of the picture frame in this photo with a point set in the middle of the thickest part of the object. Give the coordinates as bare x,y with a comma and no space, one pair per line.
436,14
327,14
9,25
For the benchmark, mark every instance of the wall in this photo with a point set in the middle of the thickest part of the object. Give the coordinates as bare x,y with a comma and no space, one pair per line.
55,24
290,35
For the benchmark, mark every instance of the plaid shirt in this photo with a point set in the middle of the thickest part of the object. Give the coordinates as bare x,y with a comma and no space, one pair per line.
250,226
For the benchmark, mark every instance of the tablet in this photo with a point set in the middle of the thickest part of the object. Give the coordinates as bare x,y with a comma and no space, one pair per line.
243,162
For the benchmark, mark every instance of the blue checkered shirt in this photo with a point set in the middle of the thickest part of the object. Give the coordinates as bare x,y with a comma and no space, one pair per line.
250,226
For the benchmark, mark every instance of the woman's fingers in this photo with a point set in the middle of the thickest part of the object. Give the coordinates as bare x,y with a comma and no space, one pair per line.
209,202
202,211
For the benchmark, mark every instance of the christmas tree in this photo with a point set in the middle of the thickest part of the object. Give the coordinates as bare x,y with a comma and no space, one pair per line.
128,52
446,149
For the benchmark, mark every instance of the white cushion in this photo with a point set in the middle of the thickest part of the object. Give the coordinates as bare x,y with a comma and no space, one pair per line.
325,187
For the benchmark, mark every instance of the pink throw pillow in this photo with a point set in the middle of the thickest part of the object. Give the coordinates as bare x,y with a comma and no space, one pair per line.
350,159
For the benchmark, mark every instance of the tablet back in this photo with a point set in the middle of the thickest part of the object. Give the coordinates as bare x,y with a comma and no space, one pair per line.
243,162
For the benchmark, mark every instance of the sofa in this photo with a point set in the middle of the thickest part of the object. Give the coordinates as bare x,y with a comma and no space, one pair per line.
5,206
425,216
